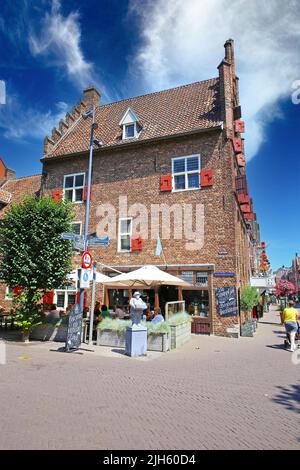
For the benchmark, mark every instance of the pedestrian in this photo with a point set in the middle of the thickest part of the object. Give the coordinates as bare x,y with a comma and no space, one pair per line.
289,319
105,312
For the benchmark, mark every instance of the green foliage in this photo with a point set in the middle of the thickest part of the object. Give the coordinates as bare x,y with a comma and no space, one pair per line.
114,325
33,255
249,298
119,325
179,318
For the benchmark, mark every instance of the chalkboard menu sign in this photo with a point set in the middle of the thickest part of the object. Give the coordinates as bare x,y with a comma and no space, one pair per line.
74,328
226,301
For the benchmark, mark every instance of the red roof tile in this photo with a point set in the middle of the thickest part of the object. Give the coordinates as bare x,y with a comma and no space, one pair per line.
19,188
177,110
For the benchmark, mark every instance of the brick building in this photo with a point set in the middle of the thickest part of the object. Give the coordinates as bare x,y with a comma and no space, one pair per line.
168,164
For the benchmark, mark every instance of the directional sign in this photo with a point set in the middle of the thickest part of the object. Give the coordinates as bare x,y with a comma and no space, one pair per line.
85,276
78,245
99,241
68,236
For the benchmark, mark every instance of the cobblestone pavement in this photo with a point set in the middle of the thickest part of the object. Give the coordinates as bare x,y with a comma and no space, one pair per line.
212,393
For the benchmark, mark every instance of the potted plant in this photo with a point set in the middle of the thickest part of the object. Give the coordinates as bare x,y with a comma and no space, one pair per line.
249,298
28,312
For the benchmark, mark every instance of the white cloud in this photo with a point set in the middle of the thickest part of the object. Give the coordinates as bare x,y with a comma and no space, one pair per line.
182,42
22,123
60,40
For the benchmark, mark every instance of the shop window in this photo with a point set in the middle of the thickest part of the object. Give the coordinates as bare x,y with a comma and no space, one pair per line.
187,276
197,302
201,279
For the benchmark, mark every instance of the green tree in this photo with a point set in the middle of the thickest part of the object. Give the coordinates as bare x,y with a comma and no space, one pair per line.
33,256
249,298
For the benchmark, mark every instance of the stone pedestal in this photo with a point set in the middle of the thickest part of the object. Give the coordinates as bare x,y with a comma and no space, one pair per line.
136,341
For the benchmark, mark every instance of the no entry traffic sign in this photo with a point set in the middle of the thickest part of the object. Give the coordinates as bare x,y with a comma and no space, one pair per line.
86,260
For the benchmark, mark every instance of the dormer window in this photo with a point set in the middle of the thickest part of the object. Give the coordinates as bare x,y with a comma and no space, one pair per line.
130,124
129,130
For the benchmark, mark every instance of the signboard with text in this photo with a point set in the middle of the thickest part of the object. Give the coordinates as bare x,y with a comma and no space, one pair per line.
226,300
74,328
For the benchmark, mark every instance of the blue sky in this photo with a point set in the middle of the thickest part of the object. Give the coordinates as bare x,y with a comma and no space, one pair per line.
51,49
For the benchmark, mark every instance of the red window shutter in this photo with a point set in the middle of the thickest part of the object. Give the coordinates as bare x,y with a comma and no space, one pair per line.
137,244
237,145
249,216
166,183
57,195
48,298
241,185
17,291
243,198
245,208
206,178
239,126
85,193
84,298
241,160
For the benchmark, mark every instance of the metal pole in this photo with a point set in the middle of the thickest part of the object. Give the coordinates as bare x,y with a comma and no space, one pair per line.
88,198
93,303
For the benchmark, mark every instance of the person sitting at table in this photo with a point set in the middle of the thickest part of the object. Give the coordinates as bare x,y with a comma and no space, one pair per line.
119,312
105,312
149,315
54,314
157,316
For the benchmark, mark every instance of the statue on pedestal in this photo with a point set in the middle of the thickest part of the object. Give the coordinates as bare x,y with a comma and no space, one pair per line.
137,306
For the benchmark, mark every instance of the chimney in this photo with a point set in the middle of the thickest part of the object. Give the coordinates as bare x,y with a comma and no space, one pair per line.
10,174
91,97
228,88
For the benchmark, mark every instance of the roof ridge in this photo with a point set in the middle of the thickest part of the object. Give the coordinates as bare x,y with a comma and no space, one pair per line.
158,92
20,178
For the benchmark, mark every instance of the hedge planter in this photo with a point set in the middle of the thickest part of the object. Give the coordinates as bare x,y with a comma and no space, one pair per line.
114,339
158,342
49,332
180,334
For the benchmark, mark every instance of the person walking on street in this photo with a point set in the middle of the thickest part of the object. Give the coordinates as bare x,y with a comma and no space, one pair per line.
290,320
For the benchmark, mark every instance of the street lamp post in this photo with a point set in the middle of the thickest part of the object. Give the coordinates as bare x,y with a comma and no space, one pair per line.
94,126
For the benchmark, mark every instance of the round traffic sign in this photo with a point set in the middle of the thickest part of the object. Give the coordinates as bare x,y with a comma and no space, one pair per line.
86,260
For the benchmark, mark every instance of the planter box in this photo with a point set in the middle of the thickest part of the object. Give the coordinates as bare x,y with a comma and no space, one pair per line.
248,329
110,338
114,339
48,332
180,334
159,342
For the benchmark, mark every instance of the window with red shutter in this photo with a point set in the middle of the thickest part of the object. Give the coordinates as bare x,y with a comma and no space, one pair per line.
48,298
239,126
166,183
206,178
85,193
137,244
57,195
237,145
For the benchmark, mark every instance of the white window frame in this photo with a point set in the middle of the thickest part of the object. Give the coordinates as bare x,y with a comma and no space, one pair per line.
78,222
9,293
74,187
127,233
65,292
135,133
185,173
